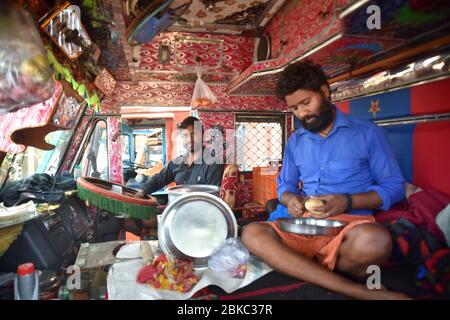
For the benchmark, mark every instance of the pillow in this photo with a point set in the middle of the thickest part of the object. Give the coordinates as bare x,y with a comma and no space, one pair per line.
230,184
410,189
443,222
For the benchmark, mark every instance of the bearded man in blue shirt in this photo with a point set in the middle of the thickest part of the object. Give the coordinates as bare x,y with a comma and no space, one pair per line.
346,163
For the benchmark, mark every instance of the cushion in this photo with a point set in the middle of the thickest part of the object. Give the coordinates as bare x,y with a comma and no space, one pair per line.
230,184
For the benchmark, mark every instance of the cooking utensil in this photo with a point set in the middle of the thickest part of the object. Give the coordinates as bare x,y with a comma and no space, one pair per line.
312,226
194,225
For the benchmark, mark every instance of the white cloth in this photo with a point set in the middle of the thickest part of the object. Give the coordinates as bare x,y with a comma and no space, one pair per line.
8,213
443,222
122,285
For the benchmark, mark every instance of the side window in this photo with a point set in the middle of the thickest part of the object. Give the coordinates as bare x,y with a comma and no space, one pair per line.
33,160
6,168
95,161
261,140
125,147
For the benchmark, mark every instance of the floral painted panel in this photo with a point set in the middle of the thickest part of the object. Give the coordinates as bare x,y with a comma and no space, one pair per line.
80,133
158,94
301,25
105,82
237,53
335,57
222,10
296,29
245,192
115,150
68,112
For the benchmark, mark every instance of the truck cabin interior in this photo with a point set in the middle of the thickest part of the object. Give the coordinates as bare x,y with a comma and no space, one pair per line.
91,97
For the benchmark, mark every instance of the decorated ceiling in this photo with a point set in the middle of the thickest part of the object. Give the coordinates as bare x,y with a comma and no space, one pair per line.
220,37
221,60
337,36
212,16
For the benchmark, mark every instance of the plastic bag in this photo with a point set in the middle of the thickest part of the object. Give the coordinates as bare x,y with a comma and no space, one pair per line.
25,73
202,95
231,257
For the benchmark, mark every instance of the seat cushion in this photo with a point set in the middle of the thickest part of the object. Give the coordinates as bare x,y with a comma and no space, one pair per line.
230,184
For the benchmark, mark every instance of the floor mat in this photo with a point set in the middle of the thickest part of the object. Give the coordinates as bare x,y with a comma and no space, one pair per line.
276,286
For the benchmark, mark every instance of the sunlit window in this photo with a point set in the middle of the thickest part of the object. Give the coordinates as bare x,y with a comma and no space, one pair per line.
33,160
125,147
259,141
95,157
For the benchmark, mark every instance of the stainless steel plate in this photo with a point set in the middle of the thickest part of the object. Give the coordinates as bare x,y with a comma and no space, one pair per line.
187,188
311,226
194,225
182,189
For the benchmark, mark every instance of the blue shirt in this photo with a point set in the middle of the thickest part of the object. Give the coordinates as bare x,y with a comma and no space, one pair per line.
355,157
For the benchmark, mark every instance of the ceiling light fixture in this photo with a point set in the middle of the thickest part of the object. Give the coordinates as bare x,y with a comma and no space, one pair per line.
210,5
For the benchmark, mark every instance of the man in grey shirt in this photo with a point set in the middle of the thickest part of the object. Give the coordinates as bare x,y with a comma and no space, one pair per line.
189,168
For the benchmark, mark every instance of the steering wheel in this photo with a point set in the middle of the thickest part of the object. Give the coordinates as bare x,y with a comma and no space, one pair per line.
116,198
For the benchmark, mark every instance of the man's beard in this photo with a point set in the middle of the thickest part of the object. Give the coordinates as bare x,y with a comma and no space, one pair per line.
322,121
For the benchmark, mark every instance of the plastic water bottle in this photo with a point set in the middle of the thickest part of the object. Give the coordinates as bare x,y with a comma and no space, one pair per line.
26,283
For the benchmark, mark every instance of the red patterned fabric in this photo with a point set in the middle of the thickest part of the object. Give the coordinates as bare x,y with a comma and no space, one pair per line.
115,149
421,209
245,192
81,131
230,185
35,116
252,210
180,94
237,55
105,82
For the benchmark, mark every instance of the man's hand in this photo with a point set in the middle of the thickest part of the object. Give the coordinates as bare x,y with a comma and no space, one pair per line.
140,194
295,206
333,204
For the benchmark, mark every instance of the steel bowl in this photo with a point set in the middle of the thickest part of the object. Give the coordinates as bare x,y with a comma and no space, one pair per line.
194,225
182,189
312,226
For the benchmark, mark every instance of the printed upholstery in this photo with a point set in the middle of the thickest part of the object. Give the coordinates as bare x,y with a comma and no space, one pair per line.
230,185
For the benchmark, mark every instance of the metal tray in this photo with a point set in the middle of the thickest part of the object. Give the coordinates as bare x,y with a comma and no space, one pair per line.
312,226
194,225
182,189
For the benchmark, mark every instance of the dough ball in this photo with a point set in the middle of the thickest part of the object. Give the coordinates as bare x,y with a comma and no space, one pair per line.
313,203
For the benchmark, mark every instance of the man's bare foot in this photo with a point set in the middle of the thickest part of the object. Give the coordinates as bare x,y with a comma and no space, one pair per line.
384,294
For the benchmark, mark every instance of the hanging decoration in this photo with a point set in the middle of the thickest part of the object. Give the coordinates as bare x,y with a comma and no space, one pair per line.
64,73
25,74
202,95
